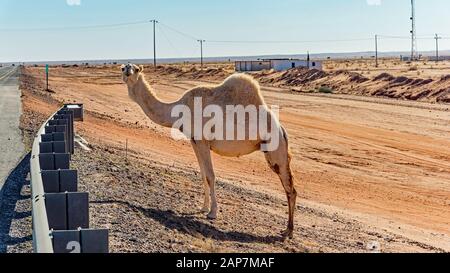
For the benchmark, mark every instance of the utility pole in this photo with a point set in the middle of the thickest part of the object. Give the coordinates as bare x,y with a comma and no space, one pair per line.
154,42
46,76
413,31
376,50
308,59
201,51
437,46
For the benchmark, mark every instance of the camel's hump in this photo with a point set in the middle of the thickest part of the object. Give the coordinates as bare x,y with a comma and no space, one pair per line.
242,81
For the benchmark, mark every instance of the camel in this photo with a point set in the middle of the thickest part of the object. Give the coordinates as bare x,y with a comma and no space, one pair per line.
238,89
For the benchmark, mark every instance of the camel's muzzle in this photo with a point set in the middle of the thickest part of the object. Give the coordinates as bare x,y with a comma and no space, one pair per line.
127,70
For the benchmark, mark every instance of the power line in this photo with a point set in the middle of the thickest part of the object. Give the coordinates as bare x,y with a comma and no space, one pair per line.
73,27
175,49
180,32
210,41
387,37
286,42
393,37
252,42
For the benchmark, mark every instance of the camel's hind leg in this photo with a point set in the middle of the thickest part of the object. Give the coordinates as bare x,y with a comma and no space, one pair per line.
279,162
203,153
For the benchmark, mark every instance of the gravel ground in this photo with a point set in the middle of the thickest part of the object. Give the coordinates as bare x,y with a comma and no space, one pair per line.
150,207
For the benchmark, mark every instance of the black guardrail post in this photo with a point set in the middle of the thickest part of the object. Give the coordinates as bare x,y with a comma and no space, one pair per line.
60,181
66,117
78,111
67,211
81,241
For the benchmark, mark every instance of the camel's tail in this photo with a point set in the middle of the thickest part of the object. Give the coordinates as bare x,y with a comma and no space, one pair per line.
286,138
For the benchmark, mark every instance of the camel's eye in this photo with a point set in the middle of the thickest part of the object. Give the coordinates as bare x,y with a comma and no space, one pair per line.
123,69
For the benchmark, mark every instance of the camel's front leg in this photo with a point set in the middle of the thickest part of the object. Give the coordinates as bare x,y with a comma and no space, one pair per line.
202,151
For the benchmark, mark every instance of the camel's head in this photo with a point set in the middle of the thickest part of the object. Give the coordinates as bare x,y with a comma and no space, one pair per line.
131,73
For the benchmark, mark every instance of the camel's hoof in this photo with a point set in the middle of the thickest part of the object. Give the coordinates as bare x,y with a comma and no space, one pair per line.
288,234
204,210
212,216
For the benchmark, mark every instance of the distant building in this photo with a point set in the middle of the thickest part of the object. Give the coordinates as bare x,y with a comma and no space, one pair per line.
441,58
252,65
408,58
276,64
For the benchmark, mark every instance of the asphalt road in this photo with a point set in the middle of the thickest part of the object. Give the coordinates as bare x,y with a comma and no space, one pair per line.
11,145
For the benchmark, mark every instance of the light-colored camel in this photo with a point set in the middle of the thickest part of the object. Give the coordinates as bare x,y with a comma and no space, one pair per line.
239,89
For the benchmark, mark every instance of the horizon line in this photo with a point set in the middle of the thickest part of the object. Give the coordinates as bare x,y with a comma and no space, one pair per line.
385,53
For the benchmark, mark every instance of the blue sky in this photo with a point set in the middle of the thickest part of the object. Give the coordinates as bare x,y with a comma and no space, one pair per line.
22,21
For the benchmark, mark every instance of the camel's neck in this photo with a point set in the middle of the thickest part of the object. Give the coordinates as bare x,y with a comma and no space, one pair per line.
154,108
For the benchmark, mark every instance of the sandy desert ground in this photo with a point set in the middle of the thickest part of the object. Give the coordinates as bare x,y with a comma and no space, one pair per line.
371,171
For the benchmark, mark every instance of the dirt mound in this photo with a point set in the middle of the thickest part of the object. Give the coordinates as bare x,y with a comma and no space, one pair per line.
170,70
347,82
384,77
420,82
443,96
195,73
351,77
445,78
292,77
357,78
401,80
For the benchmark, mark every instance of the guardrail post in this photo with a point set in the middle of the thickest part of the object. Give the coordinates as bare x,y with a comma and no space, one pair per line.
94,241
50,180
67,211
68,181
81,241
78,111
54,161
66,241
56,205
60,181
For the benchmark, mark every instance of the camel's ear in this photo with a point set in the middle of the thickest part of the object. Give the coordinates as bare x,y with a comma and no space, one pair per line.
141,68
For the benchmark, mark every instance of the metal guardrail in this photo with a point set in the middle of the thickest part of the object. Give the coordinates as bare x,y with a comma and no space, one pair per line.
42,242
60,214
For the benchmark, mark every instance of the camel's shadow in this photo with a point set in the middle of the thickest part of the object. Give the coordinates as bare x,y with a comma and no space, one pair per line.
189,224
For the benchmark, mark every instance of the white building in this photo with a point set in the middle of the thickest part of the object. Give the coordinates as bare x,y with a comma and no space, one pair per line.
276,64
252,65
